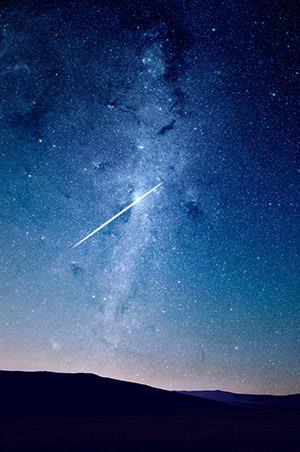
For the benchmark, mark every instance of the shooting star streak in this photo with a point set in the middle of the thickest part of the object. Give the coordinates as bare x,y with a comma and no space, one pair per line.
136,201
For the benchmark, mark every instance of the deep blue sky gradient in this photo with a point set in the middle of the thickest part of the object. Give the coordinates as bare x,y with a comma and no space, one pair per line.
196,287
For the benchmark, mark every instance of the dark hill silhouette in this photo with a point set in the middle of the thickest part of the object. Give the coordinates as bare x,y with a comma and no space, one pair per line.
40,394
45,411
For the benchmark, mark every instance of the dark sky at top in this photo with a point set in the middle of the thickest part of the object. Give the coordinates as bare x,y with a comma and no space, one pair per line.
197,286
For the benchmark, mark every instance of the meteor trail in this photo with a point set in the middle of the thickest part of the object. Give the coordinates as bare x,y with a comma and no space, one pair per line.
117,215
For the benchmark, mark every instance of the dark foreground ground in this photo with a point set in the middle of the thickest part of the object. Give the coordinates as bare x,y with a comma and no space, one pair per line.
57,412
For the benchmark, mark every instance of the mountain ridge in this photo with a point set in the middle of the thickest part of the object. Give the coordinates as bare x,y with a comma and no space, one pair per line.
254,401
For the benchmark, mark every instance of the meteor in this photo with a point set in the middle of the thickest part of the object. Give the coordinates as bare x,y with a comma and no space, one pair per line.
136,201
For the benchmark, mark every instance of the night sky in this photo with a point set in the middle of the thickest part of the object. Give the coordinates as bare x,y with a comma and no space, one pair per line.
197,286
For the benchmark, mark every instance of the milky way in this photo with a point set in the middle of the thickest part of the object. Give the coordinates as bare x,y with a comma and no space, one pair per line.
194,287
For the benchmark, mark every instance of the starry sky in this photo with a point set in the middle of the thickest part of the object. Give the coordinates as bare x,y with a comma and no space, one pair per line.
197,286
